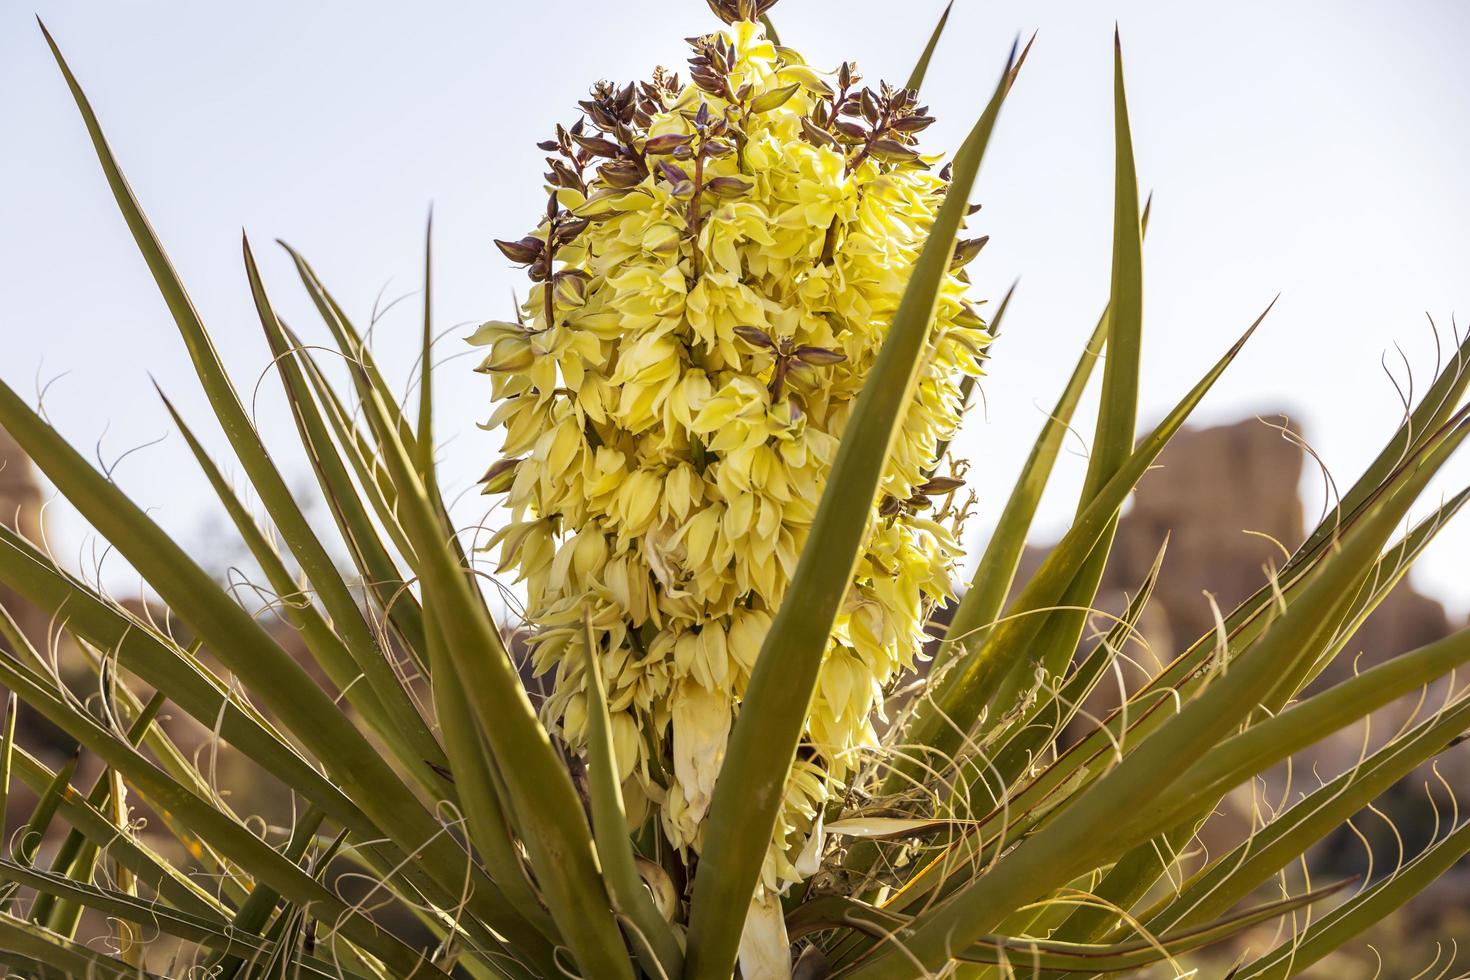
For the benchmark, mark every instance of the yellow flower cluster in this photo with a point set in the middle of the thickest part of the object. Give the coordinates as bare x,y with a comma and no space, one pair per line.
716,273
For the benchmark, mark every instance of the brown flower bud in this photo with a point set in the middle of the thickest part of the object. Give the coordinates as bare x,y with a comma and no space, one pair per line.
755,336
598,146
621,173
568,230
728,186
667,143
564,176
819,356
913,124
672,172
523,252
938,486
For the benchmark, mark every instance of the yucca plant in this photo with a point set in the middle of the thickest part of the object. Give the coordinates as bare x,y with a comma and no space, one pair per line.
727,400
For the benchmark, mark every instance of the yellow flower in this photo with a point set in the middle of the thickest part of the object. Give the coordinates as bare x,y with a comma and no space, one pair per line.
712,283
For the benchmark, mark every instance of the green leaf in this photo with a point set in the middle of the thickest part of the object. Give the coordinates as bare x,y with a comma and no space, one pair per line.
425,434
1051,713
747,796
7,756
172,886
996,770
1236,760
1146,711
28,841
1243,627
47,956
542,801
1257,748
1026,956
1118,957
658,950
75,857
385,418
1068,844
363,367
380,575
921,68
981,604
1117,417
347,618
1136,872
297,609
1058,631
1427,419
486,821
168,922
560,844
995,572
201,816
256,910
237,639
1338,927
295,529
1081,763
964,693
231,633
1234,875
138,648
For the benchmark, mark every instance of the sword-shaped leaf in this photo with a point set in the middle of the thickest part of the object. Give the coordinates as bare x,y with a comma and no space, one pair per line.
748,792
1337,927
921,68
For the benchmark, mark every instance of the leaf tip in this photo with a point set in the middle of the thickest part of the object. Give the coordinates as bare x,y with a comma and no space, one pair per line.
167,402
1013,65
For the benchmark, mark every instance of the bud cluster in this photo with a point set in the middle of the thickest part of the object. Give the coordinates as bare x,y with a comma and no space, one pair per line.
711,281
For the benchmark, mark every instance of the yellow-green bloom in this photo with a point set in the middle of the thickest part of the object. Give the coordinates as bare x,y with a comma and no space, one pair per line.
714,277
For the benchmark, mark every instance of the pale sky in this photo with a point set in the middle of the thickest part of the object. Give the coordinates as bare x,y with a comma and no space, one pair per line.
1316,149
